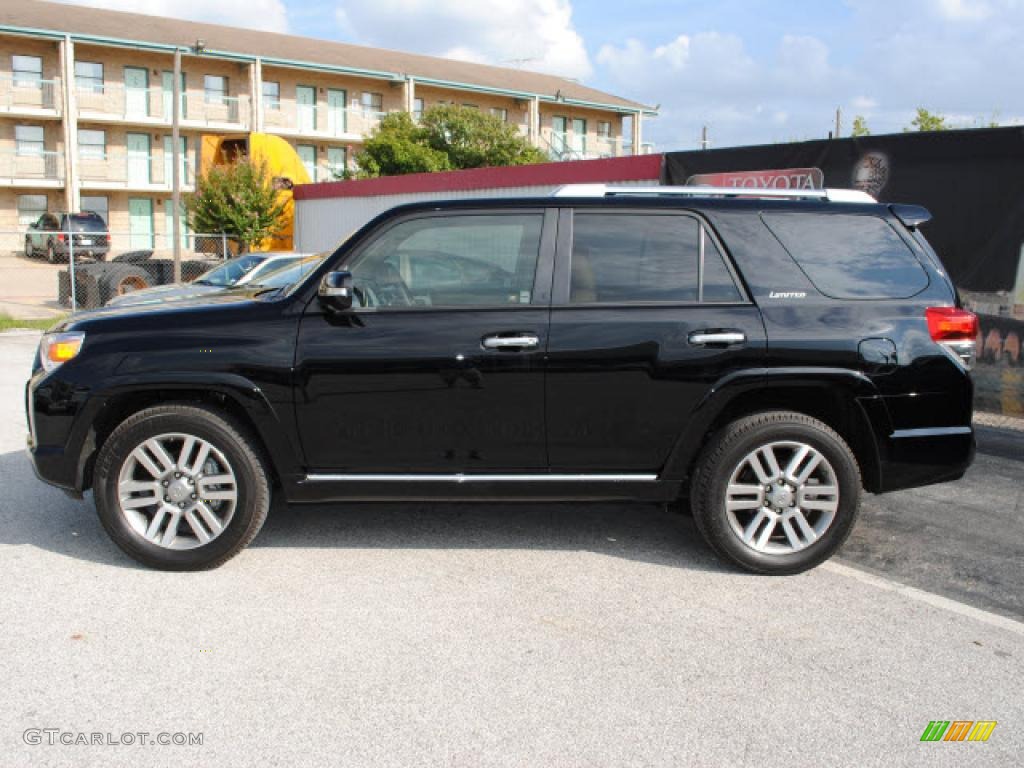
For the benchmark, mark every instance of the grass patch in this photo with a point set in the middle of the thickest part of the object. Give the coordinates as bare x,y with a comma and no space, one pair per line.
39,324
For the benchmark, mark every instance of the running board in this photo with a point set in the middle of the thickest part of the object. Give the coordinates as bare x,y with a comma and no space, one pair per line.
473,478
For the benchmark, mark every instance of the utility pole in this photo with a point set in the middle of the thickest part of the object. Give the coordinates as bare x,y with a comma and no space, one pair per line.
176,164
704,143
839,122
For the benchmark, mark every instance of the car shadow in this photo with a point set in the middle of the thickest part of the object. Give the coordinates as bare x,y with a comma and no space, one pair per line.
37,515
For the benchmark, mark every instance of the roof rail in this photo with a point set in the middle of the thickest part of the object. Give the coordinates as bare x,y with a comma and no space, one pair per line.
605,190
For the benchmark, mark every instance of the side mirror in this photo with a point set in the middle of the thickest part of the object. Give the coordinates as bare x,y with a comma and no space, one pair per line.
335,292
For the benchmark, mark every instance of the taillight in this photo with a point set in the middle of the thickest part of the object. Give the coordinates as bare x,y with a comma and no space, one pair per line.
956,330
60,238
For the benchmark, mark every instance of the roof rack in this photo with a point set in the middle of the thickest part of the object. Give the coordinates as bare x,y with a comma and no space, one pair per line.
605,190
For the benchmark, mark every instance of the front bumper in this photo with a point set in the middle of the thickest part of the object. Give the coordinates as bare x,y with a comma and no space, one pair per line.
60,435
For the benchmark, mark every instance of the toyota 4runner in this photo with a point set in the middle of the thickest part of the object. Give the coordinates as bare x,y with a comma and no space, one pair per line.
758,357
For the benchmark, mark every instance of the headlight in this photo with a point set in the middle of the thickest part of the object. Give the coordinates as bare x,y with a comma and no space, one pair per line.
55,349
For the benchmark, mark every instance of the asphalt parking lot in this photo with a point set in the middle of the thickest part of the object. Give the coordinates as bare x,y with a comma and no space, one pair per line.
512,635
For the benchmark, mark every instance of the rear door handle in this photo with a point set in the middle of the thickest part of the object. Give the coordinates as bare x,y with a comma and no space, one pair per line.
704,338
519,341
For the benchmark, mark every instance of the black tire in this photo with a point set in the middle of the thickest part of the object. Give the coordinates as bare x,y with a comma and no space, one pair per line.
117,279
725,452
230,438
29,252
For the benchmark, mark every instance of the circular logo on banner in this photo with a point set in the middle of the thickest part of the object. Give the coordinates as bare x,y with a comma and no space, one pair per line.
871,173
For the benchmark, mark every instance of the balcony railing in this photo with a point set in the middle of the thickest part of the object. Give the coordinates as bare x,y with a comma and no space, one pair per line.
26,94
118,102
569,147
319,120
35,165
132,170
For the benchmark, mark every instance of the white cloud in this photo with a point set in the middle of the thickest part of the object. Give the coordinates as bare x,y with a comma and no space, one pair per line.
532,34
957,57
267,15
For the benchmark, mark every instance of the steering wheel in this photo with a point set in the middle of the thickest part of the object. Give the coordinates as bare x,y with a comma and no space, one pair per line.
386,288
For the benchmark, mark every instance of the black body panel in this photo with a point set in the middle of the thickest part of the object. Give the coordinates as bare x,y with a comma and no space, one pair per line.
615,401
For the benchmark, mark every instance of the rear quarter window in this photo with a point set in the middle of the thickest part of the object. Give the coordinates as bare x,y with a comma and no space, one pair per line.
850,256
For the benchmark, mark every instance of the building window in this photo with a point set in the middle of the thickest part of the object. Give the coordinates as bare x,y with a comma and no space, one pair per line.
215,89
470,106
372,102
337,161
92,144
30,208
89,76
604,129
307,156
96,204
500,113
29,139
417,108
271,95
27,71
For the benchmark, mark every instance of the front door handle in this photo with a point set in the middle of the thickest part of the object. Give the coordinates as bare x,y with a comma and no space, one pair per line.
519,341
705,338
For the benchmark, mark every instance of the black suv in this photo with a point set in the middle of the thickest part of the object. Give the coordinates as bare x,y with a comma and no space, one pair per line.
759,358
58,235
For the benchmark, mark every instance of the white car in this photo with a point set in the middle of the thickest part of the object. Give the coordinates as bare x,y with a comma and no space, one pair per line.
238,271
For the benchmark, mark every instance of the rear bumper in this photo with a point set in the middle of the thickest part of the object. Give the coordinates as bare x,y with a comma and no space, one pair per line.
916,457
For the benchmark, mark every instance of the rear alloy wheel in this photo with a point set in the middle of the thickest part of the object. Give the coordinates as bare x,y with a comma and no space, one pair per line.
181,487
776,492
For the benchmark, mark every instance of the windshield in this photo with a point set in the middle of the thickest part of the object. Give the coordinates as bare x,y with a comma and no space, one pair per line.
289,275
268,266
85,222
231,271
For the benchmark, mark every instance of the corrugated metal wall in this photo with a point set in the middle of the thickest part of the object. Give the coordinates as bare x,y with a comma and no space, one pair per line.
321,224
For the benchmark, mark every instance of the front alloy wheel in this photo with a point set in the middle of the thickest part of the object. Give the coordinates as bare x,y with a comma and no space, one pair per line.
776,492
177,490
181,487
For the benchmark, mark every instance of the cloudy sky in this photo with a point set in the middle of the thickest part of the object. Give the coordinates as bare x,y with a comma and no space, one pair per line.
753,71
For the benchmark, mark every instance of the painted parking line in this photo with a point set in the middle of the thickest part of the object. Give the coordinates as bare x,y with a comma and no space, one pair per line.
928,598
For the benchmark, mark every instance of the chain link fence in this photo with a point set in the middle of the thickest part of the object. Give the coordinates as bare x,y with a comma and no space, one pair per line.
71,270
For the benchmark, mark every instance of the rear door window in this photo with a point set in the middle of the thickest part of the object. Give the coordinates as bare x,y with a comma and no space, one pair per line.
848,256
639,258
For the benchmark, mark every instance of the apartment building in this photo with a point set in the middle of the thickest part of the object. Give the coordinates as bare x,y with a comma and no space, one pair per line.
86,97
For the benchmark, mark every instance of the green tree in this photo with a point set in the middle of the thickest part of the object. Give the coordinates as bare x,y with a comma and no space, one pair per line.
445,138
927,121
236,199
475,139
397,146
860,127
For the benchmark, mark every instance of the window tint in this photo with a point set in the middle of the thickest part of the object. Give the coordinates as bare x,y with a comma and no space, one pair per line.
718,282
628,258
464,260
850,257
